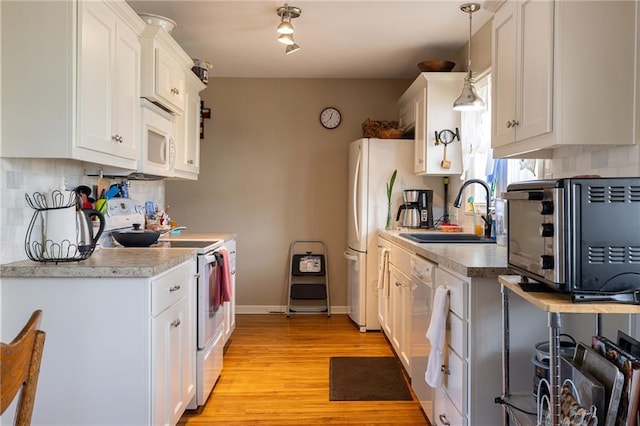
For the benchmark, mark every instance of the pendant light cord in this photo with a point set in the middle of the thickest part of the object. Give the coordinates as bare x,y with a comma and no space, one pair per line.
469,59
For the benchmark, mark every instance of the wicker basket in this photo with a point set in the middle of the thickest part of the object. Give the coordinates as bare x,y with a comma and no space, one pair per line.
371,128
390,133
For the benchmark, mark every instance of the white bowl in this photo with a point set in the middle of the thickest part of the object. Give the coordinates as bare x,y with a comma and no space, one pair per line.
164,22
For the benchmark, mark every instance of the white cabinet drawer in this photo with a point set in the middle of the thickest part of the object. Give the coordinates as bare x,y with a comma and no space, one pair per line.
457,292
455,380
401,259
167,289
456,336
444,412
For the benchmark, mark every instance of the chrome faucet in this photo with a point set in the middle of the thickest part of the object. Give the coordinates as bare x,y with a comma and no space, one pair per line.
488,221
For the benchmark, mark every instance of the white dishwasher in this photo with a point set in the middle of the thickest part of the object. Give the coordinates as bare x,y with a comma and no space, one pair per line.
422,278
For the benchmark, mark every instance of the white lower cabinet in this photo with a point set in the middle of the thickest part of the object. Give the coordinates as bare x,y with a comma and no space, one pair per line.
395,299
230,307
471,370
173,342
384,290
118,350
400,299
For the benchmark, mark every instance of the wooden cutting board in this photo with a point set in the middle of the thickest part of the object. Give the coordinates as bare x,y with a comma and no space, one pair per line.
103,186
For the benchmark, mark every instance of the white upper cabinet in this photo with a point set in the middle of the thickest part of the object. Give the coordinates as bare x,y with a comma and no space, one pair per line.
74,84
564,73
108,82
187,131
427,107
164,66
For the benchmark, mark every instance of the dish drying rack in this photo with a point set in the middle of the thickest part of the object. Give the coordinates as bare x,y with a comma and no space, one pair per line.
40,249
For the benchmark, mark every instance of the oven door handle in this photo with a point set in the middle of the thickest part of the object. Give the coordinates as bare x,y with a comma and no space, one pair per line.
524,195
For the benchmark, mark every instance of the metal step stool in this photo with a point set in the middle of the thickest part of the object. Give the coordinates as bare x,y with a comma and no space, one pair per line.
308,278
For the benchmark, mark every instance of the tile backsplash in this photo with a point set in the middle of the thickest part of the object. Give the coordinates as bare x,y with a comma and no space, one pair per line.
21,176
619,161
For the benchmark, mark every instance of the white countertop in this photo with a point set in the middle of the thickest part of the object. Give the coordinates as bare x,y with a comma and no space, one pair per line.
467,259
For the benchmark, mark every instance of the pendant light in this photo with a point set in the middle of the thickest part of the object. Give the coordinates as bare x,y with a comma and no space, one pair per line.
469,99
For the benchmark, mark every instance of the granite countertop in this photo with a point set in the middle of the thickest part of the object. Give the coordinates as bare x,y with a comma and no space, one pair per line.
469,260
117,262
195,236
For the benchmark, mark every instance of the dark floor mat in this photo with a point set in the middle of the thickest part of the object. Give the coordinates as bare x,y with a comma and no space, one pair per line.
367,379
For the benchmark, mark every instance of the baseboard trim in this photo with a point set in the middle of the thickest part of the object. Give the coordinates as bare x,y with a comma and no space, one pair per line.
274,309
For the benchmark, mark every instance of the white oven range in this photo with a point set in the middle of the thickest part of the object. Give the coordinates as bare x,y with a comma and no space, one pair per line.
210,318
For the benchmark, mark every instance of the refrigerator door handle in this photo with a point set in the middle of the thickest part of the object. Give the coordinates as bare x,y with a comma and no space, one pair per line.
352,258
356,179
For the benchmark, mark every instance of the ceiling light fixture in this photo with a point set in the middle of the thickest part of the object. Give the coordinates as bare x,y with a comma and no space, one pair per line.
469,99
286,39
285,29
292,48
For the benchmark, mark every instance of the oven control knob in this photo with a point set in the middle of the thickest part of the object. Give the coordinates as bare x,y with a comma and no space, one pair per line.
545,207
546,261
546,230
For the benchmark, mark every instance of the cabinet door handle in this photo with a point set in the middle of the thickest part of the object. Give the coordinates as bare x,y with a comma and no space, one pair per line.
175,323
398,283
189,161
174,288
196,275
443,420
445,370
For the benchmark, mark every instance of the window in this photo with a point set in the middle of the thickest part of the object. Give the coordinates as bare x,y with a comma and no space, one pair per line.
478,161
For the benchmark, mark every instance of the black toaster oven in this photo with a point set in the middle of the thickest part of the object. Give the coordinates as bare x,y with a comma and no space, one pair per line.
577,235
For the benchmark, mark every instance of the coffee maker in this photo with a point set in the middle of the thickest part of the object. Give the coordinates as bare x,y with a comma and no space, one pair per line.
425,207
410,208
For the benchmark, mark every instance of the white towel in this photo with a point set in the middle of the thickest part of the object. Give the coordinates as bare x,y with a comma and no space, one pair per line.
436,334
382,271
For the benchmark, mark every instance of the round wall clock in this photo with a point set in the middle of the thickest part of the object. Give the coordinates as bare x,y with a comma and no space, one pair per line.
330,118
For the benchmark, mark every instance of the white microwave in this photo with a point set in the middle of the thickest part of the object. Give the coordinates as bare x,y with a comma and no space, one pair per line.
158,144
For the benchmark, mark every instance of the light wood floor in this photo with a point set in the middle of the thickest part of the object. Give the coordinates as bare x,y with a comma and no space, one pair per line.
276,372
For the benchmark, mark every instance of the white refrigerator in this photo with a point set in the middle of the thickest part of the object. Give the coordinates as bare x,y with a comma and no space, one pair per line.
371,163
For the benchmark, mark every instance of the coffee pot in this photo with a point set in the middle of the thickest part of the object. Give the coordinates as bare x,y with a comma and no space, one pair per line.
409,210
86,239
425,205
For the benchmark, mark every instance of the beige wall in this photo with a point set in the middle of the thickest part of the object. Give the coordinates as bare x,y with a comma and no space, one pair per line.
480,51
271,173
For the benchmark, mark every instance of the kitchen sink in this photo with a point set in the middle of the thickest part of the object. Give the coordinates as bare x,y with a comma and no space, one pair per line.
447,237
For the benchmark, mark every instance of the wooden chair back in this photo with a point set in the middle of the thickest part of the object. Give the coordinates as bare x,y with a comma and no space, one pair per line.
19,369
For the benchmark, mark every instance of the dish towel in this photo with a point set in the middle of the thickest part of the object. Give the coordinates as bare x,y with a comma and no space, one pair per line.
222,289
436,334
225,275
382,271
